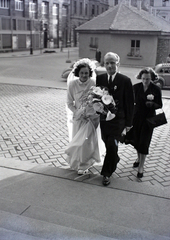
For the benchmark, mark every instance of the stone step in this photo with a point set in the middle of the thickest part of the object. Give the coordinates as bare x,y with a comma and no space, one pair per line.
11,235
16,227
67,226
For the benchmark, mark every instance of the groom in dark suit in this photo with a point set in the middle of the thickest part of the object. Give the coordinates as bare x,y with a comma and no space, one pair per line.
120,87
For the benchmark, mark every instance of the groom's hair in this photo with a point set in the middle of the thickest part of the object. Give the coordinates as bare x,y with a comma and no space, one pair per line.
115,56
82,65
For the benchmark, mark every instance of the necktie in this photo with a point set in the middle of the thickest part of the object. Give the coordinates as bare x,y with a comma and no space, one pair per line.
110,81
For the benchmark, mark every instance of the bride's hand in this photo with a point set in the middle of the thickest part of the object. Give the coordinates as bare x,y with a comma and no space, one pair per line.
78,113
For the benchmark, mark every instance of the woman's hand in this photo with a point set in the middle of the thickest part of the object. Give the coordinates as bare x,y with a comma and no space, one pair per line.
149,104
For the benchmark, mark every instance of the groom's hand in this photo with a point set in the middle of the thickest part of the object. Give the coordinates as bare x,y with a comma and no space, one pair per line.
128,129
125,130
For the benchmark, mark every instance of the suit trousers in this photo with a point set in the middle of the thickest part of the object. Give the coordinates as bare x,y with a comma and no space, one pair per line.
111,157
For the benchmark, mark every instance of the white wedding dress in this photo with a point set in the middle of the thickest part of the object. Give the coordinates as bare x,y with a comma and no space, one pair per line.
86,146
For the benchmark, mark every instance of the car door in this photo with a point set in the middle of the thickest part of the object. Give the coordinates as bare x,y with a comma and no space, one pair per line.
166,75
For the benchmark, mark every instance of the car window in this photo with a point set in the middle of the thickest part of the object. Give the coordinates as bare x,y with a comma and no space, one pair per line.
167,70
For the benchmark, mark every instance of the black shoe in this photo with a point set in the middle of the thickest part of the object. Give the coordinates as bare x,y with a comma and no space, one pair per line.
139,175
136,164
106,181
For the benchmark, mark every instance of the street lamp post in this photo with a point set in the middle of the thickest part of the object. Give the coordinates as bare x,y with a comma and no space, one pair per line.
68,59
68,33
31,37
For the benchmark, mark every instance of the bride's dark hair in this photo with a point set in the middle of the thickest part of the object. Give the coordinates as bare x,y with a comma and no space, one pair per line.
82,65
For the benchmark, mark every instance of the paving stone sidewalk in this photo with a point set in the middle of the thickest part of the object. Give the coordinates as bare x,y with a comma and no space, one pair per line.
33,128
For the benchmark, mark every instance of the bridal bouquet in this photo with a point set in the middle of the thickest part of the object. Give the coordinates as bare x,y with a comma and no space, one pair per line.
102,102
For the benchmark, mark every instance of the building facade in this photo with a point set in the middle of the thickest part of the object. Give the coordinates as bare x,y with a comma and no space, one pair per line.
159,8
35,24
138,37
81,11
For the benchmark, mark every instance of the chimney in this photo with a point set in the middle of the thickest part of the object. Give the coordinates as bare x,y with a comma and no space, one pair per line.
150,10
128,3
139,3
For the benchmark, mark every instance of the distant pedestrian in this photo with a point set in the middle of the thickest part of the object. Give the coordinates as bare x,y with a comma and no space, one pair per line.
147,98
98,55
168,59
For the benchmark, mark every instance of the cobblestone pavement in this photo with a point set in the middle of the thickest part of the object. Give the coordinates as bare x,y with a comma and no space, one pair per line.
33,128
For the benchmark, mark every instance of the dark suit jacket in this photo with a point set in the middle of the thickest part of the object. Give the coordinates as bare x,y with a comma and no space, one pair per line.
122,92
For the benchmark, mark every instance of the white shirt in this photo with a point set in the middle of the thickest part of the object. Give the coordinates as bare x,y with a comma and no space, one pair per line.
112,76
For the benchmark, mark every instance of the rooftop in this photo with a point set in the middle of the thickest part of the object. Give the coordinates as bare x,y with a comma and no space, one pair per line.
123,17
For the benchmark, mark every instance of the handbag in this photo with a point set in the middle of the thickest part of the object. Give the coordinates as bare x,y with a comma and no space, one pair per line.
157,120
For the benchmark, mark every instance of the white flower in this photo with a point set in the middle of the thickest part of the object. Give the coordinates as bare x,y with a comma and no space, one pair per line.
98,107
107,99
98,91
150,97
105,92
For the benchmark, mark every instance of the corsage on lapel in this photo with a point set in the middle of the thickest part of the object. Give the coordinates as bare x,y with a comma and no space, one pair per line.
115,87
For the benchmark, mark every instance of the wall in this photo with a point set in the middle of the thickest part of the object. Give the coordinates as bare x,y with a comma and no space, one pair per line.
121,44
158,3
163,49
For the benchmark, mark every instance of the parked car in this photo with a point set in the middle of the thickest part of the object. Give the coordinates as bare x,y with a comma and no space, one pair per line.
66,72
163,71
99,69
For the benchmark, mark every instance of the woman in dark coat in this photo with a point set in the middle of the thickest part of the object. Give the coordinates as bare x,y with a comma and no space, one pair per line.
147,98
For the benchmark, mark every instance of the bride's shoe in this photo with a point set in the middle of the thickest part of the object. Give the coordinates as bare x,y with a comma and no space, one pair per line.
83,172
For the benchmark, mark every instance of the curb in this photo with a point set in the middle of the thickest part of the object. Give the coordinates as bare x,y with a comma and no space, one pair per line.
26,53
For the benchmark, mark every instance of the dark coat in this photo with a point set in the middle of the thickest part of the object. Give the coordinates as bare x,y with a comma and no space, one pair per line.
141,133
141,110
122,92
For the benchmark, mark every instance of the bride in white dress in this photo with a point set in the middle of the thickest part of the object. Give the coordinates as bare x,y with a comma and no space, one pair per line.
83,149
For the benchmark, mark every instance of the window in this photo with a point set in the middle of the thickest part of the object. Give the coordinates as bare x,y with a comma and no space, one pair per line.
151,3
93,42
55,9
28,25
93,10
135,48
97,10
86,9
64,11
75,7
4,3
44,8
21,24
116,2
163,3
166,70
6,24
14,25
32,6
7,41
19,5
81,8
96,42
